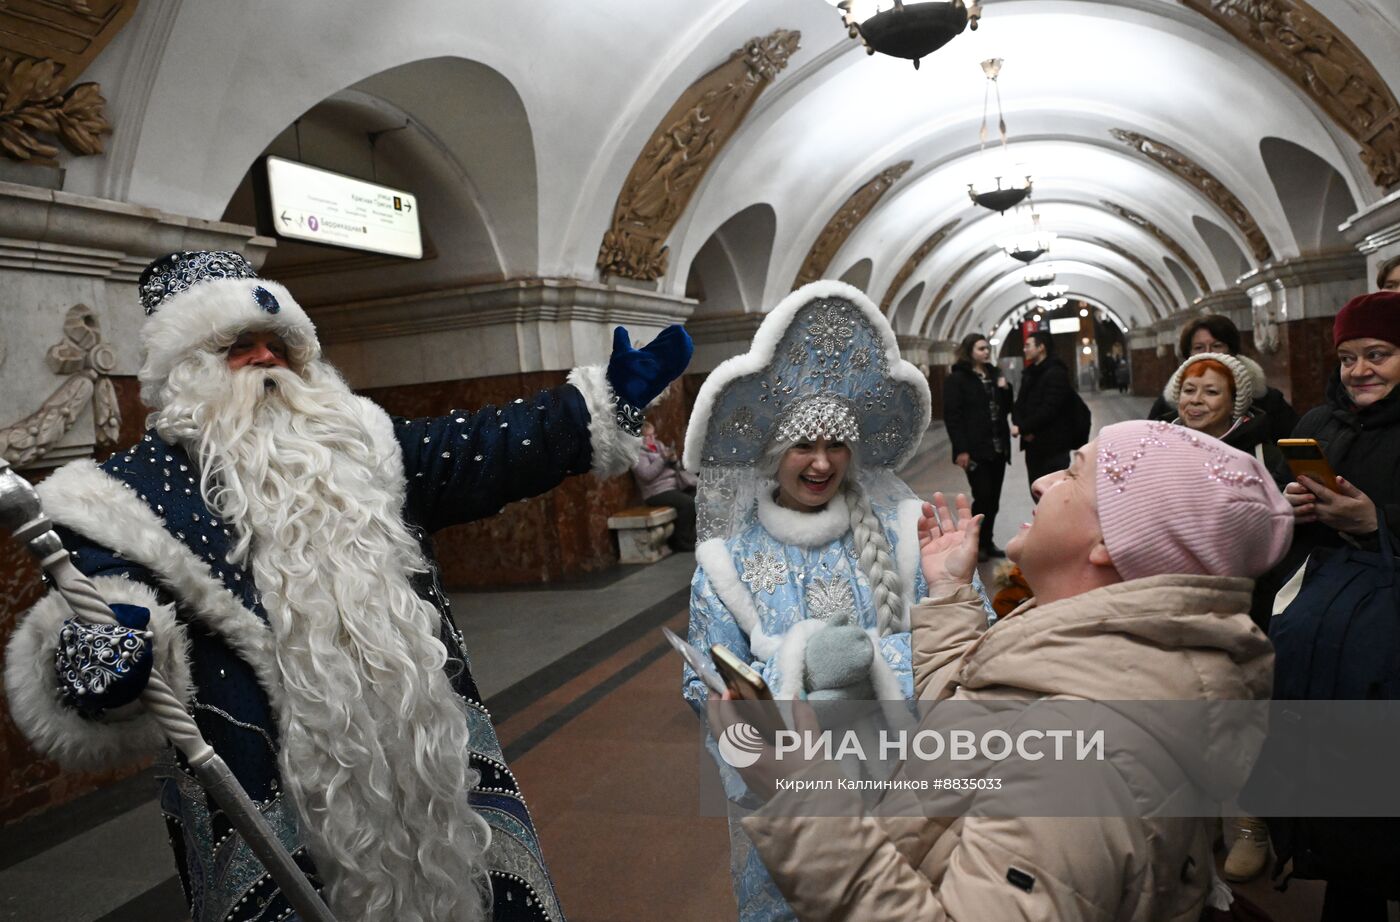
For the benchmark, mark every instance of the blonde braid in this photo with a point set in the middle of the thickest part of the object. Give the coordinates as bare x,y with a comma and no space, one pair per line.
876,558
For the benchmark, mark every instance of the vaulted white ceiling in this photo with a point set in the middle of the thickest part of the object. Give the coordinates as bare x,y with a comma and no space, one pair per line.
531,115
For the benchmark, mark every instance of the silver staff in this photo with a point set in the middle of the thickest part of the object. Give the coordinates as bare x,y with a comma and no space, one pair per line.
21,514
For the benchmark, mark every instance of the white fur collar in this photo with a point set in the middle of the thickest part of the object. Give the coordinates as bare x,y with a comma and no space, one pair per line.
804,529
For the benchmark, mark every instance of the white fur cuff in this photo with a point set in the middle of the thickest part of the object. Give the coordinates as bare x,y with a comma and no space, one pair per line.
60,732
614,450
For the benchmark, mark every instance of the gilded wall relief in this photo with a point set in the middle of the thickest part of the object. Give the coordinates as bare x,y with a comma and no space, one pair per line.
87,360
915,258
44,48
1156,280
846,220
676,157
953,279
1205,182
1166,240
1312,52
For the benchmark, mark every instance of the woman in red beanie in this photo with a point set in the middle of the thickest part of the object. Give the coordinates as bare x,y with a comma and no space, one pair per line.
1359,430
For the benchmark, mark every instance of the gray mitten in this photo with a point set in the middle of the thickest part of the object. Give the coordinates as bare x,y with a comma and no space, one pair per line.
838,663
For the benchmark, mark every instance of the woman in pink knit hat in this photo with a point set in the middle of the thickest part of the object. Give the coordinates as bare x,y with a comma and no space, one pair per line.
1140,596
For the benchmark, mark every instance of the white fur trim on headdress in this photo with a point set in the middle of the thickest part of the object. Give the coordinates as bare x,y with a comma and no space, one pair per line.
210,315
765,343
1244,381
614,449
60,732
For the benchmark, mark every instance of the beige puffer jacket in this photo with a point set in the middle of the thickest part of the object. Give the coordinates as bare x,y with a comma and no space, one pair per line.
1159,638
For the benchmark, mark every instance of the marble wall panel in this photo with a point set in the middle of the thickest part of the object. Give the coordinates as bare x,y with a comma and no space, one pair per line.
561,534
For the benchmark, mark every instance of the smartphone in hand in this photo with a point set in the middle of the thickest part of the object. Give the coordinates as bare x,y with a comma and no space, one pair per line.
1305,457
739,677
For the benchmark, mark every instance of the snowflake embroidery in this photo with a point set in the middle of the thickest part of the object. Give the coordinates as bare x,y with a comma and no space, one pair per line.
741,424
831,331
830,600
860,360
765,572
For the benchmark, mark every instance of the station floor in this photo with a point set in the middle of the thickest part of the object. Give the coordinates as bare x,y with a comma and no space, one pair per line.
585,694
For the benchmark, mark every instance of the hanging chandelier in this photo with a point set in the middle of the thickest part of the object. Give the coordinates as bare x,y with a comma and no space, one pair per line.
1049,304
1040,275
1029,246
1004,186
1049,291
906,30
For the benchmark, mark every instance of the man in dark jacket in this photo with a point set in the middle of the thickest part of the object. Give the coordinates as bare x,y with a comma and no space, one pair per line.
1042,416
273,530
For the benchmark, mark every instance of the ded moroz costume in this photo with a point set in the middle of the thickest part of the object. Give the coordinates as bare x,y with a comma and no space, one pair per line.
805,595
276,528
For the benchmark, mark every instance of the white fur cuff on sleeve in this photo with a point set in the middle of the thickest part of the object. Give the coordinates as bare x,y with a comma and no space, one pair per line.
59,732
614,450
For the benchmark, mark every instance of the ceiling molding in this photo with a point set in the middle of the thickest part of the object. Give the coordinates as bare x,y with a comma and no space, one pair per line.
1308,48
912,263
1204,182
680,151
845,221
1166,239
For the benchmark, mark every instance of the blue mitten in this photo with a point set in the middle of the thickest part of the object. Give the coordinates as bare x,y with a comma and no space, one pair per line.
637,376
102,666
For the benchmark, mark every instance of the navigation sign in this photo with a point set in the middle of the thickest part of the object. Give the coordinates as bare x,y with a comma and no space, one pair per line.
308,203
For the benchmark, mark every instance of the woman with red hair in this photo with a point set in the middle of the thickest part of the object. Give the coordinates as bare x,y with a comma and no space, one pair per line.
1213,393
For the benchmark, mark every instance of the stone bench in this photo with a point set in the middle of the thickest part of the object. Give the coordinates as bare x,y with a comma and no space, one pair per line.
642,532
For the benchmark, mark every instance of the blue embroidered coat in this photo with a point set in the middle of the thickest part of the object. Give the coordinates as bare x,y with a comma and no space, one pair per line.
456,468
786,571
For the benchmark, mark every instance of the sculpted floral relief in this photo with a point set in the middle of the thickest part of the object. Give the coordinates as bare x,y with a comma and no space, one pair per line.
1204,181
87,360
915,258
1166,240
846,219
1307,47
674,161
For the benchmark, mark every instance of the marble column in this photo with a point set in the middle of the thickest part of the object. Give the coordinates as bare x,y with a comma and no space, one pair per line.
1375,232
1292,304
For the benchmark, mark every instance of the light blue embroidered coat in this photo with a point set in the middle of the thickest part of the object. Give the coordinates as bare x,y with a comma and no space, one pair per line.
761,594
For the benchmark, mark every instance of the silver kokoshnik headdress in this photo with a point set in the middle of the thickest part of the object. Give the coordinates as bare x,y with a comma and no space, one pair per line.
823,364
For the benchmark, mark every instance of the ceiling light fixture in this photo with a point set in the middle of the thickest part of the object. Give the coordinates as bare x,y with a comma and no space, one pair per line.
1004,185
906,30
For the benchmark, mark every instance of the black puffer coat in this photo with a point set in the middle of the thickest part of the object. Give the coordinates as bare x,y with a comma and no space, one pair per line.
1363,446
967,415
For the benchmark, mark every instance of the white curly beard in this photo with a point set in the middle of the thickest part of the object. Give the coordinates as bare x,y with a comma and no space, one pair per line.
374,740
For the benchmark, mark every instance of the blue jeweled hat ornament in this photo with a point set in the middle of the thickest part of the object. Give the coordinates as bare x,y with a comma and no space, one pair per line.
824,362
176,272
201,300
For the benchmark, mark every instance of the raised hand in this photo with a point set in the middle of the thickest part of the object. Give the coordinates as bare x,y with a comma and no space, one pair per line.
637,376
948,542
